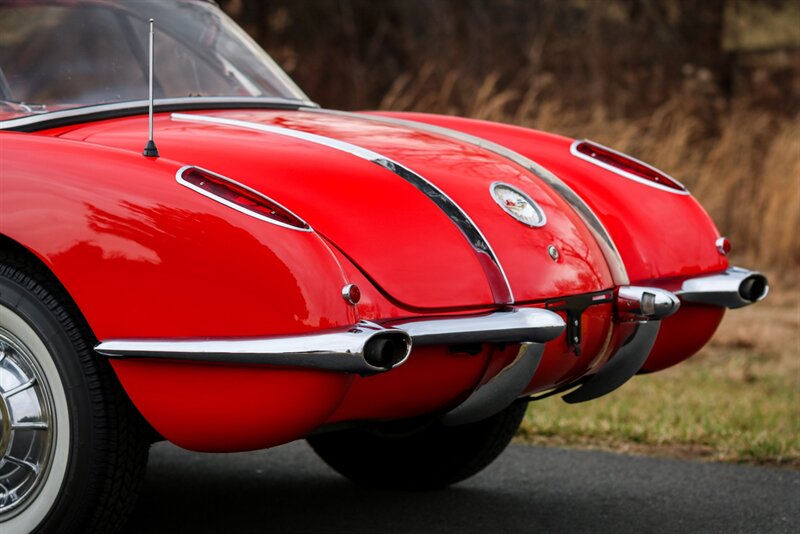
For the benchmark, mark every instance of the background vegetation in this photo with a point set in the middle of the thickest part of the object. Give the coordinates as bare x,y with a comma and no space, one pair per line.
708,91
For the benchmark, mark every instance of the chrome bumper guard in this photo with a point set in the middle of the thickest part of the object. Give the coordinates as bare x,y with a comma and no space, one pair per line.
645,306
735,288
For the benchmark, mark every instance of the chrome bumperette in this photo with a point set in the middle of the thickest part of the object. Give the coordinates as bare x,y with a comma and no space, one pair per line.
480,245
365,348
501,390
637,303
516,325
734,288
593,223
627,361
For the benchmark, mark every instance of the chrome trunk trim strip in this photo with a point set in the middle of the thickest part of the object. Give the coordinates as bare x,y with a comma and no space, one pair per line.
359,349
734,288
603,238
496,277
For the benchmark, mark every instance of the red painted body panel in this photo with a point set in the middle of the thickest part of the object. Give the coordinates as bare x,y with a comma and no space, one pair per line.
217,408
650,227
144,257
683,334
385,225
659,235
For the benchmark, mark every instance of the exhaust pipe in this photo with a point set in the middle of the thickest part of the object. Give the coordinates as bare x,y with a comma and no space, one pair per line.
754,288
387,350
735,288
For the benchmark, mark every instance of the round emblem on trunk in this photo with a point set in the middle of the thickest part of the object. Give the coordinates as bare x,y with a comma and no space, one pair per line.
518,205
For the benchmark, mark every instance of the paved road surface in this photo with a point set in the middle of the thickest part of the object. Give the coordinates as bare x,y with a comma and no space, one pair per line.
529,489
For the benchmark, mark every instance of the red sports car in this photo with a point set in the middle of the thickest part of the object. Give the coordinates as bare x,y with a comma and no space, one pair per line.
393,287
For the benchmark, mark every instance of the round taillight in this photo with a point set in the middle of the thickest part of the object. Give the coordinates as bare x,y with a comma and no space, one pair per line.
723,246
351,294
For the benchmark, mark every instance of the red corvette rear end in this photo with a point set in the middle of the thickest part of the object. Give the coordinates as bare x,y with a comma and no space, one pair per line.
386,285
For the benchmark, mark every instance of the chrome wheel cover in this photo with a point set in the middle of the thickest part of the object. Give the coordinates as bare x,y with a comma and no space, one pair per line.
27,425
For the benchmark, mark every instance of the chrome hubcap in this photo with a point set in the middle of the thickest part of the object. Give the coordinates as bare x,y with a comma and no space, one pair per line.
26,424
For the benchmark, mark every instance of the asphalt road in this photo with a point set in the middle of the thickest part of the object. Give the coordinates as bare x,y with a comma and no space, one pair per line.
529,489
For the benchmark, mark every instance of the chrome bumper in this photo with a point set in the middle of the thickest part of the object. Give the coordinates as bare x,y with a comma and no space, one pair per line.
365,348
735,288
516,325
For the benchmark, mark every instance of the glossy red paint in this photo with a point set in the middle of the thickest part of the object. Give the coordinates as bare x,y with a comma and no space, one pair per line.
648,225
360,206
219,408
144,256
682,335
433,378
561,365
393,218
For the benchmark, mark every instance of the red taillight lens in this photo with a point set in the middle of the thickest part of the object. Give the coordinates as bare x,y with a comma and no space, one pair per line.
624,165
239,197
723,246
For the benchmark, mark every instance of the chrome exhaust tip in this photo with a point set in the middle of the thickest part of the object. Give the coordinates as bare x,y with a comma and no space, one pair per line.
734,288
387,350
754,288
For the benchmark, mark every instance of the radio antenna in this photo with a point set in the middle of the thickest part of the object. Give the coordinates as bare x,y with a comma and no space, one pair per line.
150,149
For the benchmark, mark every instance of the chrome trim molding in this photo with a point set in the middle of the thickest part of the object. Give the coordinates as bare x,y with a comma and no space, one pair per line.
233,205
603,238
517,325
365,348
573,149
502,293
635,303
622,366
141,106
734,288
500,391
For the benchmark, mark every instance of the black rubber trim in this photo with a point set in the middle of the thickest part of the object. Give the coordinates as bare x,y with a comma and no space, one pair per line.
59,122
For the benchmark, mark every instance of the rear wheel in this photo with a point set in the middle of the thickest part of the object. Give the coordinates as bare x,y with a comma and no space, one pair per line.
72,448
418,454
